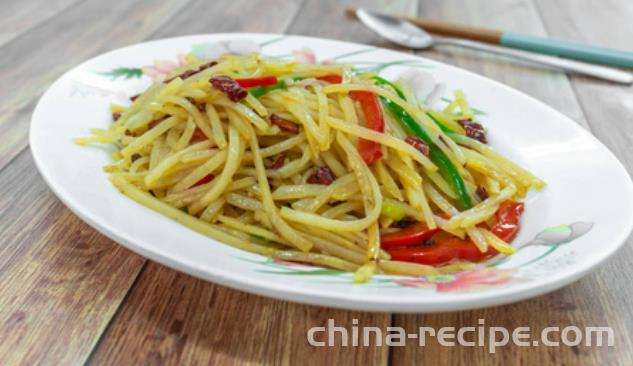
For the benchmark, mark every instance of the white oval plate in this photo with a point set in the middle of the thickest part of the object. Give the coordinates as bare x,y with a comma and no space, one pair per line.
581,218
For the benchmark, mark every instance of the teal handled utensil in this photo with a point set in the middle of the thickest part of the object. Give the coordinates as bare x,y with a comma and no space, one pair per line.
549,46
567,49
405,33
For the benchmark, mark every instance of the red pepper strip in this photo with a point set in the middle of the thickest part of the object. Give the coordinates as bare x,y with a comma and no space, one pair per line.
369,150
332,79
414,234
507,225
261,81
444,248
204,180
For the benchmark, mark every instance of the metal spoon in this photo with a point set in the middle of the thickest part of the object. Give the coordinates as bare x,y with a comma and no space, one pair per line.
408,35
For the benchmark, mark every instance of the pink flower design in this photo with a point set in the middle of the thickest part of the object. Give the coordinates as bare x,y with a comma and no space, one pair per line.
476,279
463,281
418,283
162,68
304,56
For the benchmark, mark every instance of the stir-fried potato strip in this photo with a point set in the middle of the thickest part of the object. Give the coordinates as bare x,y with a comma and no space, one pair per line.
314,167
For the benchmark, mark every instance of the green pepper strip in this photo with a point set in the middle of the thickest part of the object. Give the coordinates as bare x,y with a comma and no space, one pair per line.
454,135
446,168
261,90
447,130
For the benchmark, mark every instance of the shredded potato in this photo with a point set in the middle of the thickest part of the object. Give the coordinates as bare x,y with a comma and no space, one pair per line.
318,168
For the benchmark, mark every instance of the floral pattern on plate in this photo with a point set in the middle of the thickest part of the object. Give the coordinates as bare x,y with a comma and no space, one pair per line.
159,69
479,278
483,276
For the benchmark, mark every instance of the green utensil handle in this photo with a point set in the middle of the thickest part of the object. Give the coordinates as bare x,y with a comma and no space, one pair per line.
568,49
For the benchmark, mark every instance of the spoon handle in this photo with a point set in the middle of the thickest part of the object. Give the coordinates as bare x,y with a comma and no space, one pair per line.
579,67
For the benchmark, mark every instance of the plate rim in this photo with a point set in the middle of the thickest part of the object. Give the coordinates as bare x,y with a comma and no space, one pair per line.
245,282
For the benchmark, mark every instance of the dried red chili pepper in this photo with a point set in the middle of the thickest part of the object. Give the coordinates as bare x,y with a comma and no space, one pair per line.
202,107
207,65
279,162
229,87
155,122
198,135
418,144
188,73
482,192
473,130
323,175
284,124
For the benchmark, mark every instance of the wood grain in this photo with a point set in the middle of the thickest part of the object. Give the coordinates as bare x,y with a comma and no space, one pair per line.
61,281
550,87
20,16
610,111
597,299
68,295
607,106
176,319
172,318
32,61
327,19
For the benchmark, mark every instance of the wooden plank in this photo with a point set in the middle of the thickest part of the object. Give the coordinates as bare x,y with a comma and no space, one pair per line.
171,318
61,280
609,109
550,87
602,298
327,19
201,17
176,319
187,327
20,16
31,62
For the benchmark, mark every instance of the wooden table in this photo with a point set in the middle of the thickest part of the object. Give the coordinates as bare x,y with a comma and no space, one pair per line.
69,295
